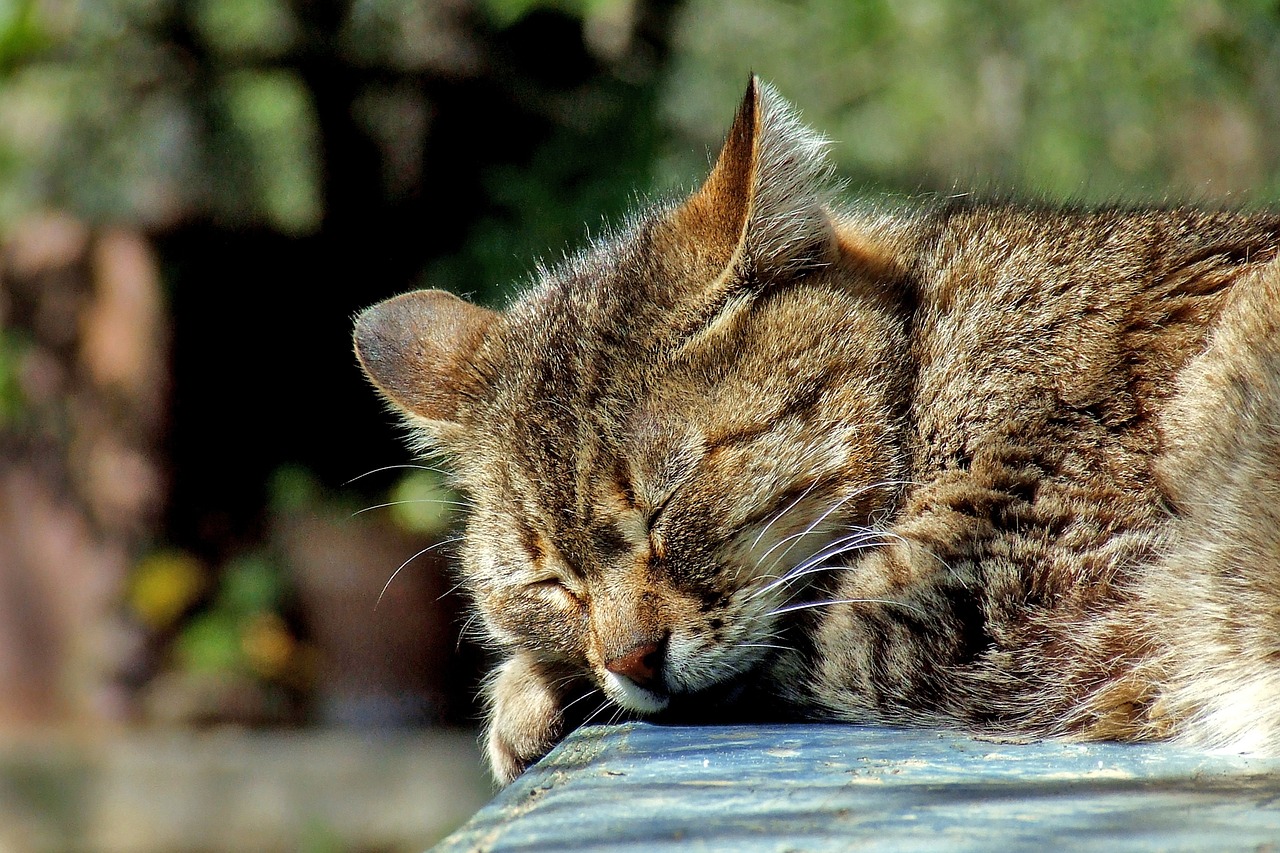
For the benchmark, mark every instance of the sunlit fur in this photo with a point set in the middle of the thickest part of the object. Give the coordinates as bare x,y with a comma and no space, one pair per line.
1005,468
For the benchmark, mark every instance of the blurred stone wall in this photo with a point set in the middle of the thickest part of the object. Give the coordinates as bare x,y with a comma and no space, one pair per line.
83,406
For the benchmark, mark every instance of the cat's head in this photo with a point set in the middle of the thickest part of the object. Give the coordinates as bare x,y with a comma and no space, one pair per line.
666,438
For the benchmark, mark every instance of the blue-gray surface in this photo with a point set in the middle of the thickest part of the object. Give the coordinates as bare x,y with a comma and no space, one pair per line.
796,788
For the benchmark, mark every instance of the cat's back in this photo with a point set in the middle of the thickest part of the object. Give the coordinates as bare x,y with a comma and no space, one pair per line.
1093,433
1049,344
1090,313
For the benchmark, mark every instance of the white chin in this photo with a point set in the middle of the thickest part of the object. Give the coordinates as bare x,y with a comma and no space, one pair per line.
633,697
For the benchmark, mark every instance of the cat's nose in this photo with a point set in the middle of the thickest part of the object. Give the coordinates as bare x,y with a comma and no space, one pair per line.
640,664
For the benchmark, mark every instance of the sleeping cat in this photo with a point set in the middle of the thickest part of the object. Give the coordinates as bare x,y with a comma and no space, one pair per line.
756,455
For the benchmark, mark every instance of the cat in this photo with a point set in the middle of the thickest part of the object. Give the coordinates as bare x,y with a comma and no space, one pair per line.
1003,468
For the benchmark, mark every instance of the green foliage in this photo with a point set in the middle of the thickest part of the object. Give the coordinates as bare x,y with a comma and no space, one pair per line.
420,503
210,643
104,115
21,33
251,584
319,836
581,180
1094,100
506,12
246,27
241,631
12,399
272,125
292,488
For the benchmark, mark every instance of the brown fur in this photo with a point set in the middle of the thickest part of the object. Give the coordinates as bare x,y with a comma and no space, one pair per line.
977,465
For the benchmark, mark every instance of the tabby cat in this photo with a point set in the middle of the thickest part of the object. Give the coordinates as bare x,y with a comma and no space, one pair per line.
1008,469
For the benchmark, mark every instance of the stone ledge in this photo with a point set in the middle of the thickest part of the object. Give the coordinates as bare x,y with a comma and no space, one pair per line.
817,788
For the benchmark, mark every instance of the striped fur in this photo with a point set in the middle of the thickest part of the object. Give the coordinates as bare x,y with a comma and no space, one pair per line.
1004,468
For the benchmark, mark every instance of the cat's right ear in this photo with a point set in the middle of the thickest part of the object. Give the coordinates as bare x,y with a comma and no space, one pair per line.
762,210
419,350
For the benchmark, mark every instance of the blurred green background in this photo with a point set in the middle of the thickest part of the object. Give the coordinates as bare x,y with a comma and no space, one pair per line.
199,513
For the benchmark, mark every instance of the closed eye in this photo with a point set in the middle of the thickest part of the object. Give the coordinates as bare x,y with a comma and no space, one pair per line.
652,517
554,586
631,496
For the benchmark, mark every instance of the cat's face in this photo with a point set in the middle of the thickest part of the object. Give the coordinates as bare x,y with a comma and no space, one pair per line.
667,437
650,519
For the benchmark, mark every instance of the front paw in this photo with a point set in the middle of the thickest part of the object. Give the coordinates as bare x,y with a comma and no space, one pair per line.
525,718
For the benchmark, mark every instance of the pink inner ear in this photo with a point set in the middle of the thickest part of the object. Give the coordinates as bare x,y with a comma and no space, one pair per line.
418,349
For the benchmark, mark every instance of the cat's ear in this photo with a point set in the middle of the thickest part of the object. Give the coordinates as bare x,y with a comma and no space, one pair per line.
763,206
419,349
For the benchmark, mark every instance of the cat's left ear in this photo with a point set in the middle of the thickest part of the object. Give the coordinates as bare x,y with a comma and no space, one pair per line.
763,207
421,350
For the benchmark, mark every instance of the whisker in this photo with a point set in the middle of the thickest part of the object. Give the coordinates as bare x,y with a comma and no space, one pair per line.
394,467
407,562
852,542
791,608
594,714
462,504
797,536
451,590
910,543
783,512
464,631
565,679
819,562
579,699
803,533
763,646
812,569
848,545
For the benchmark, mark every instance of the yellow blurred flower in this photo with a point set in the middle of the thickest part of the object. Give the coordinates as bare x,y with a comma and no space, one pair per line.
163,586
267,644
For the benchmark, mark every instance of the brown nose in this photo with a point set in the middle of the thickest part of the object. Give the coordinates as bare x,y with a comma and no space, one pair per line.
641,664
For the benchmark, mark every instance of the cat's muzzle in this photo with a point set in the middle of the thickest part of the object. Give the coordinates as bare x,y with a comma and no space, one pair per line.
634,677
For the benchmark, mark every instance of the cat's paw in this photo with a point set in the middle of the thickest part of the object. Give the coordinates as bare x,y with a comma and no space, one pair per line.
524,718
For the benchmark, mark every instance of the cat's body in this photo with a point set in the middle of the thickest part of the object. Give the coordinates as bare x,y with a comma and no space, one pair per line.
1009,469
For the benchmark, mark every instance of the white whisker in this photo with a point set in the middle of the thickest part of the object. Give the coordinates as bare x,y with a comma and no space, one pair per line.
593,690
407,562
783,512
441,501
594,714
791,608
852,542
793,538
393,468
465,631
856,542
797,536
451,590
